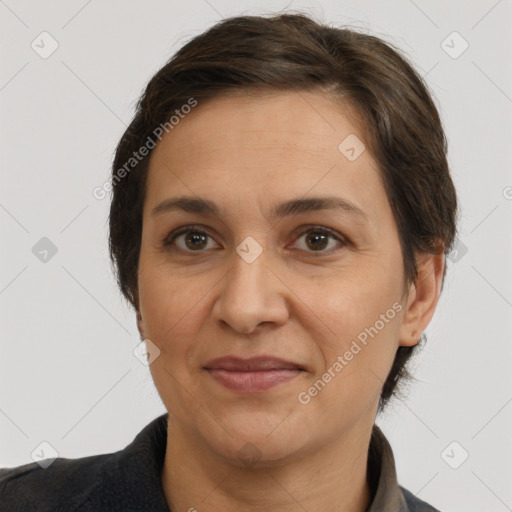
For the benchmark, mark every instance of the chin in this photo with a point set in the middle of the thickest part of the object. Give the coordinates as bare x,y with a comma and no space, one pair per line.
258,453
257,440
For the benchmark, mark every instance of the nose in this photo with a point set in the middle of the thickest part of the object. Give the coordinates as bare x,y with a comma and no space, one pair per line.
251,294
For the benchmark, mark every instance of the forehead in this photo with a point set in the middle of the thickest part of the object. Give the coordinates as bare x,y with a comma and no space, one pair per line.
302,121
279,145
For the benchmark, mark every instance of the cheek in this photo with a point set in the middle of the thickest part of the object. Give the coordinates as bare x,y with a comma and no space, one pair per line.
363,313
355,300
173,311
357,362
169,305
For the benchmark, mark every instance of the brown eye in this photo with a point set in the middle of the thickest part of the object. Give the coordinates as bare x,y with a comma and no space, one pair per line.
195,240
317,241
189,240
320,240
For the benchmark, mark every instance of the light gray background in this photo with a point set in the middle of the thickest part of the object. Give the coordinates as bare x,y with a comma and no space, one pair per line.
68,374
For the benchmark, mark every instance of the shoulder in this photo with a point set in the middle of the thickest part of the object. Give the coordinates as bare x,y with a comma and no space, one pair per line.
63,485
414,504
126,480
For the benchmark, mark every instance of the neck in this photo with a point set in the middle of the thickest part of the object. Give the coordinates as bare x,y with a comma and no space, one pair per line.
332,478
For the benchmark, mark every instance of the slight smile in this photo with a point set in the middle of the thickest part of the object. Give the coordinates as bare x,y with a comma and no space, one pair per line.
252,375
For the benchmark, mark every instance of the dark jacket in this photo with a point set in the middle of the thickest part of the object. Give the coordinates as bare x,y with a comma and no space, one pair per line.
130,480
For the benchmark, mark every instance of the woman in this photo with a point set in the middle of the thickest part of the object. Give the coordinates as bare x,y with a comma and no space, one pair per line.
281,211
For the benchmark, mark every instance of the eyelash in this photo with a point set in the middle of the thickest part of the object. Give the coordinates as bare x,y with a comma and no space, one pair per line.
171,237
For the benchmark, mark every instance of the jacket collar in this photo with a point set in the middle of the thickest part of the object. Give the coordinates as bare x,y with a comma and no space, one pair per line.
382,478
133,475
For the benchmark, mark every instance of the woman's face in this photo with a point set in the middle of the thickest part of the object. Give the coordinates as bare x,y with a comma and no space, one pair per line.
270,274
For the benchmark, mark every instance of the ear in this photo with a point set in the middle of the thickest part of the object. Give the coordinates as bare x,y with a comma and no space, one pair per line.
423,297
140,326
140,322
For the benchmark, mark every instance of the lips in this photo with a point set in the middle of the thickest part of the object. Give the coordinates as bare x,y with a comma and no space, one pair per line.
255,364
253,375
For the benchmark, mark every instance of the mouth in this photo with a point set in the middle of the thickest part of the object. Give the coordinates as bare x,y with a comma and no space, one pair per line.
253,375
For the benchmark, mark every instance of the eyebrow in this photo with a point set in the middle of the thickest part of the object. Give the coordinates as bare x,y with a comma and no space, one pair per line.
203,206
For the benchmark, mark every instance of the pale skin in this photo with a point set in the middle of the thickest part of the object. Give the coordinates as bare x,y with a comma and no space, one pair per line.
294,301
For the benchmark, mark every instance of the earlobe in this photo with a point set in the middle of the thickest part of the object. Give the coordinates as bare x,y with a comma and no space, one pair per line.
423,298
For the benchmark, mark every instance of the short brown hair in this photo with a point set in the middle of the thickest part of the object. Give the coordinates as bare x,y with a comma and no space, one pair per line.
288,52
